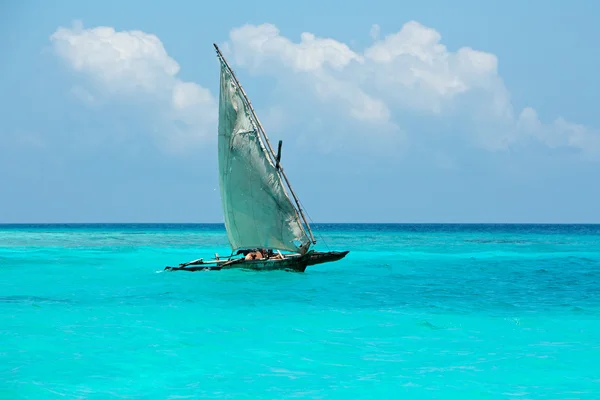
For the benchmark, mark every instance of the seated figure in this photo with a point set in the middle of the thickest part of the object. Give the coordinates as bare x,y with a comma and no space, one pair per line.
254,255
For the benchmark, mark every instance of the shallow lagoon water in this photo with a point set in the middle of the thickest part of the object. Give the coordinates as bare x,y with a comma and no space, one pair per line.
413,311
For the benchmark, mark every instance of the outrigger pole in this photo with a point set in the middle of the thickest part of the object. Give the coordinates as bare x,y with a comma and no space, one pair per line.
264,134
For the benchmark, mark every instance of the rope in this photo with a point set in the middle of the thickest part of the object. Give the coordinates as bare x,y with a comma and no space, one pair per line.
312,222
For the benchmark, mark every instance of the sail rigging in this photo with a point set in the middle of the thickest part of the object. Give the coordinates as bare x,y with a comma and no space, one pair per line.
257,210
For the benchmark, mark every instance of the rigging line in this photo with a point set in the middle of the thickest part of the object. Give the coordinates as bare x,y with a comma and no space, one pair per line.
313,222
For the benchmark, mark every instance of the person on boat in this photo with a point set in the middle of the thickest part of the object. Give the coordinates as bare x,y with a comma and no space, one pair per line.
277,256
254,255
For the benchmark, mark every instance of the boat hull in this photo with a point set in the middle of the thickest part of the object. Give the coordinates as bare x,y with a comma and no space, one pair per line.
295,264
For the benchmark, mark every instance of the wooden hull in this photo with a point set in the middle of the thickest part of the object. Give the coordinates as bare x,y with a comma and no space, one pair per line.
295,263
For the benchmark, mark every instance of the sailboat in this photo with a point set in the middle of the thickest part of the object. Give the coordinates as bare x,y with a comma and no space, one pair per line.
266,230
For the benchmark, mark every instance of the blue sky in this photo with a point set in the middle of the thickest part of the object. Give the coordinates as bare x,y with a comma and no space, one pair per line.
429,111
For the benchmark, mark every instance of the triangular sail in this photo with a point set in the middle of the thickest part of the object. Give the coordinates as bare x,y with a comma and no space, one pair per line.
257,210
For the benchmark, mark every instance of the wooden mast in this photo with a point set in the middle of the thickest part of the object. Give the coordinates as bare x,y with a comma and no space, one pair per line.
264,134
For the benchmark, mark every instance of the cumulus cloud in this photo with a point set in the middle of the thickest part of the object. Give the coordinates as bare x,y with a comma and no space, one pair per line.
262,47
320,65
559,133
375,30
389,90
135,64
409,72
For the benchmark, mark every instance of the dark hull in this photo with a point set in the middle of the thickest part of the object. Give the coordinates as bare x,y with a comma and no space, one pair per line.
296,264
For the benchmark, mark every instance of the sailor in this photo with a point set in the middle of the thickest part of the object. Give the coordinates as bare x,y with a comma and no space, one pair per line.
254,255
277,256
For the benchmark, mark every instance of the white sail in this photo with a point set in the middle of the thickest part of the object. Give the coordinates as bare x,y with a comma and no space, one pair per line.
258,212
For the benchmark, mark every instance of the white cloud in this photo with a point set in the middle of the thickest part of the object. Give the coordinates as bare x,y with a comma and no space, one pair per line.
374,33
136,65
559,133
254,45
257,47
409,72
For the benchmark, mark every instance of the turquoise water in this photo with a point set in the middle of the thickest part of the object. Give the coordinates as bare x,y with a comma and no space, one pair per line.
413,311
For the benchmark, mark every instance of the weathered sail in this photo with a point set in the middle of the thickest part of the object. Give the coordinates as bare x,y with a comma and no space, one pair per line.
258,212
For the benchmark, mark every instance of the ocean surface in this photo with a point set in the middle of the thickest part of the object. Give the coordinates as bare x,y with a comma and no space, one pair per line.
413,311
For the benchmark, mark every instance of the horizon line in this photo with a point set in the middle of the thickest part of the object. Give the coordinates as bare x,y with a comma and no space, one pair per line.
317,223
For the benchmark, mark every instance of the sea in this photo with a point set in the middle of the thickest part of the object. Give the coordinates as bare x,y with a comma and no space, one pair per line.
414,311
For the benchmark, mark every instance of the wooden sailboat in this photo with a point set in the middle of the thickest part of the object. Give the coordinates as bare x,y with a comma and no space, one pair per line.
266,231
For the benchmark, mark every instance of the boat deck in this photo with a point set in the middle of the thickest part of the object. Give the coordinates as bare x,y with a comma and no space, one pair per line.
297,263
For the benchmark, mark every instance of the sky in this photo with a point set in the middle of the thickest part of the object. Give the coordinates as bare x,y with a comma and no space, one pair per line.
429,111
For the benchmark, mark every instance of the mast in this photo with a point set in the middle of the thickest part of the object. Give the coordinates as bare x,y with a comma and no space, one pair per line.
264,135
